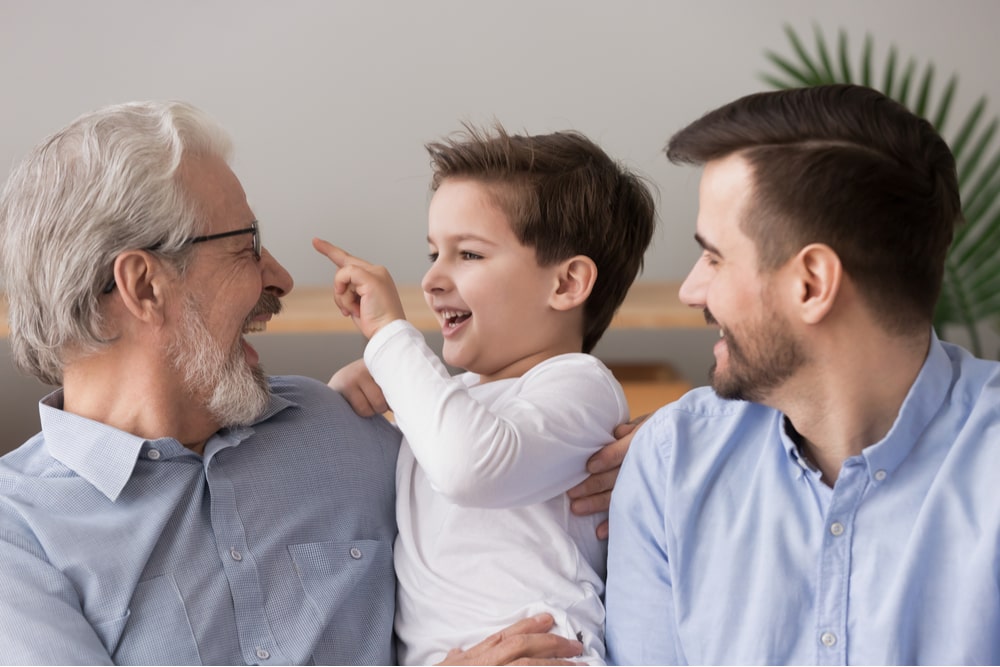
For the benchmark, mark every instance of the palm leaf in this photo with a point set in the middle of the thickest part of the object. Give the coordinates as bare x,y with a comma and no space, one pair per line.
889,75
797,77
845,61
824,57
940,119
970,294
800,51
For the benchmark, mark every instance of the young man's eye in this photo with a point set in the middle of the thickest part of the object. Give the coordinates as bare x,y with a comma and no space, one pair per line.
432,256
710,259
470,255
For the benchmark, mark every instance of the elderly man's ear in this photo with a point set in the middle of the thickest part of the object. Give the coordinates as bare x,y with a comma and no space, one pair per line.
141,281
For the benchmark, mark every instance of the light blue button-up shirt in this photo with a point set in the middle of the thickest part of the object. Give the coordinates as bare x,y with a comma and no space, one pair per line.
273,548
727,548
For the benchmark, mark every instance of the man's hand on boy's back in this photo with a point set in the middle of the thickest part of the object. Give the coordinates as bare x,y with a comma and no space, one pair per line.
527,642
361,290
593,494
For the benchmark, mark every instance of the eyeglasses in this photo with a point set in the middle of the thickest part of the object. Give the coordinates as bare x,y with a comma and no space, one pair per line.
252,229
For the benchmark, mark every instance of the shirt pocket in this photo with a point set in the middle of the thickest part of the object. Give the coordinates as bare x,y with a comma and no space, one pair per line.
156,629
351,587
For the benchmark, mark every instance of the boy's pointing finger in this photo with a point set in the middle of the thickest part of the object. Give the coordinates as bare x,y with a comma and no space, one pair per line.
337,255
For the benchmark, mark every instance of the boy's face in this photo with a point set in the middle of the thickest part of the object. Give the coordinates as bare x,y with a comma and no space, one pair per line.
486,288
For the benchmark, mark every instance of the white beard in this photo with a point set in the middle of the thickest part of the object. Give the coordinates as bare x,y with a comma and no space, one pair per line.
239,393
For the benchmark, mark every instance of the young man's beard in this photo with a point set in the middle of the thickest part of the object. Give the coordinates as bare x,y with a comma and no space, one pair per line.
237,393
762,356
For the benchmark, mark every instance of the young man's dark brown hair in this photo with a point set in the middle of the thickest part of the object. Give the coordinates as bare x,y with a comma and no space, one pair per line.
564,196
845,166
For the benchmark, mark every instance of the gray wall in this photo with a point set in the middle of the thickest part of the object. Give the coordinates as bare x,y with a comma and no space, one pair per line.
330,103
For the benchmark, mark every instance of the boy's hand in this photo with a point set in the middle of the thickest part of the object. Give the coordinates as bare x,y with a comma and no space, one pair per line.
358,386
593,494
361,290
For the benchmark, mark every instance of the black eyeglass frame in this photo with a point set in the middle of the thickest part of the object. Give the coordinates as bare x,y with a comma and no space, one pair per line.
252,229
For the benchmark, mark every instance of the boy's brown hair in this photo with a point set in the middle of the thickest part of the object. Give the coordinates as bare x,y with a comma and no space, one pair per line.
563,196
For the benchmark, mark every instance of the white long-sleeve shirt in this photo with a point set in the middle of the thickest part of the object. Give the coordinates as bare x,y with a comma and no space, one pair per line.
486,536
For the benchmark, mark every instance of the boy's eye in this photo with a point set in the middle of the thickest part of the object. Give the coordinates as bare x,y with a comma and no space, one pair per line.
432,256
470,255
710,259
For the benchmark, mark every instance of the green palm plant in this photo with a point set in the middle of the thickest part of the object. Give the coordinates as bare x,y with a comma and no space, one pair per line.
971,290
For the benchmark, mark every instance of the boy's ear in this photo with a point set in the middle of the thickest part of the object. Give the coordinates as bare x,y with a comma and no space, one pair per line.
576,278
140,281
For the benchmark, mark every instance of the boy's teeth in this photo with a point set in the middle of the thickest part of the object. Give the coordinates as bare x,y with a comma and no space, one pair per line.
453,318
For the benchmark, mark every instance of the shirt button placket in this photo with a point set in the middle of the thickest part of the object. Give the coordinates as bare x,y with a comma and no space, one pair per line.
833,583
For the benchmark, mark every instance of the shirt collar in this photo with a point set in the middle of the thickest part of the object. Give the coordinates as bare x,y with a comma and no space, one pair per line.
104,455
100,454
922,402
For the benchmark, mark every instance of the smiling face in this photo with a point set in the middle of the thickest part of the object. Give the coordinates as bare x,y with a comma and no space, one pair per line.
489,293
229,293
757,351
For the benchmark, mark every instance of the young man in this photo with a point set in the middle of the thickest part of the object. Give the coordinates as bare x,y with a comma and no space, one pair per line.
180,507
534,242
833,500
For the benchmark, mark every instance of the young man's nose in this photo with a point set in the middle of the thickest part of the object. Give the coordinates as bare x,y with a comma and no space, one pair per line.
692,290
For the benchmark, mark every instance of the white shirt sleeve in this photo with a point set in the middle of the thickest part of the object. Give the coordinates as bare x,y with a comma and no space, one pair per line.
530,444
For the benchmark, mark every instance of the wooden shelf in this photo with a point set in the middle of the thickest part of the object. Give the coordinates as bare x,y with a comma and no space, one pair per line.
310,309
648,306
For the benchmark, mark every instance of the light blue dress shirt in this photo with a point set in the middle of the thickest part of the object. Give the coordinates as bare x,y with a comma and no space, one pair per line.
727,548
273,548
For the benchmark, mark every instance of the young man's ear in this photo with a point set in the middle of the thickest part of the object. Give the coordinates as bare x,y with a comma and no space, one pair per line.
576,278
140,279
819,274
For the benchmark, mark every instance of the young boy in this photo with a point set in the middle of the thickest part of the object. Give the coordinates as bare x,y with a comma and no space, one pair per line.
534,242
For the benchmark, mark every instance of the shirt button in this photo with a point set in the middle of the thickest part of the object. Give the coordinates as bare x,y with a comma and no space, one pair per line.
879,475
262,654
153,454
828,639
837,529
236,555
355,553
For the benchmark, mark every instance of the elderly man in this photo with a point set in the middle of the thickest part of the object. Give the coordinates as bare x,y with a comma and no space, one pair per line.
179,506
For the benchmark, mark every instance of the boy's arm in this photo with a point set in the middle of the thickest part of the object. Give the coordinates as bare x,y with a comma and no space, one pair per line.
527,445
591,496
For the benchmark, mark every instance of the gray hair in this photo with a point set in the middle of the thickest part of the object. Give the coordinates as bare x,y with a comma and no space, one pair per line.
105,184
